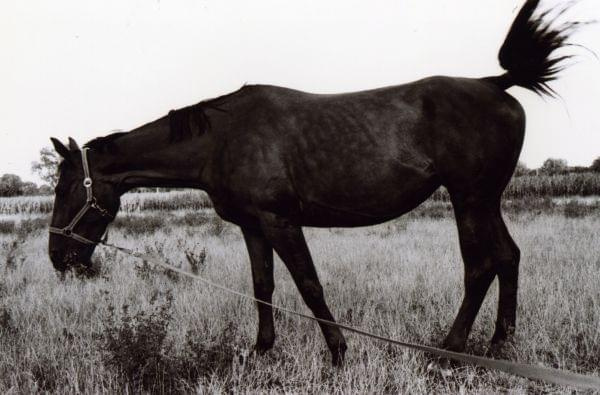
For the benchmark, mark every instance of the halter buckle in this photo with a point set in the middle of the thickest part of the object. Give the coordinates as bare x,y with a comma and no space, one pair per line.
87,182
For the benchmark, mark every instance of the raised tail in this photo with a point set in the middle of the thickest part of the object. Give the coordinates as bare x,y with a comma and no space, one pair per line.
527,51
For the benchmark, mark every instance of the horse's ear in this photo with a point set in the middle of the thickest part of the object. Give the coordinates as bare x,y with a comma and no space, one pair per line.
60,148
73,145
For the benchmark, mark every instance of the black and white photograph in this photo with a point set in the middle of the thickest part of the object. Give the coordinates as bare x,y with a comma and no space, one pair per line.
298,197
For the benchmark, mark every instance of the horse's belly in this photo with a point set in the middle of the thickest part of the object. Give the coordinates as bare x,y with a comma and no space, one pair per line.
365,201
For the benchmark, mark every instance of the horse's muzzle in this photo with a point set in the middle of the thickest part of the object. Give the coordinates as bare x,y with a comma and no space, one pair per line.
65,261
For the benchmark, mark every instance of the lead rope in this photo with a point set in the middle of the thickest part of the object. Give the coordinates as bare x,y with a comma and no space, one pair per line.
550,375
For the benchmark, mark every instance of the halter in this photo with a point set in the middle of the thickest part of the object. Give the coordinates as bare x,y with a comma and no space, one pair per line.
90,202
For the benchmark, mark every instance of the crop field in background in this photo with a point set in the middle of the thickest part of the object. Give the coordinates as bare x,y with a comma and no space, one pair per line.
132,327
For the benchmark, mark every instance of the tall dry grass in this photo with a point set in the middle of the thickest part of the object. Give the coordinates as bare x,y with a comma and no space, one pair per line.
402,279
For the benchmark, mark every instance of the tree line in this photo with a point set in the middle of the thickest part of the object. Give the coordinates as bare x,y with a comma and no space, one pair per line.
12,185
552,166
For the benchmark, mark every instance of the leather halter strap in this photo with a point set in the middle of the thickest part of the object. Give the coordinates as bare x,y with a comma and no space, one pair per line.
90,202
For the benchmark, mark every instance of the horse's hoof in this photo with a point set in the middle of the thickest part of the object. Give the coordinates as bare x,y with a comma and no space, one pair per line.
452,344
503,335
499,348
261,349
338,356
264,342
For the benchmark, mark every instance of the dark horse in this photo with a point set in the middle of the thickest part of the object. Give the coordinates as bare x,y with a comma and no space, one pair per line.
274,160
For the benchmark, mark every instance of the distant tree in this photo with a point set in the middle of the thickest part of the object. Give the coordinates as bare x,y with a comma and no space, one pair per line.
521,169
47,167
11,185
578,169
595,167
554,166
29,188
45,190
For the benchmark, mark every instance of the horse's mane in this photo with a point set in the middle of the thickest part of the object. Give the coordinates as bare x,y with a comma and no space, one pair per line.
183,124
105,143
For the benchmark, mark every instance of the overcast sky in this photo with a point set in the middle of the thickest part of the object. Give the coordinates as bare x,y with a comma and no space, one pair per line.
80,68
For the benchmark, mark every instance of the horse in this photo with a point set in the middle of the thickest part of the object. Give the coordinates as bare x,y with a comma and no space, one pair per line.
274,160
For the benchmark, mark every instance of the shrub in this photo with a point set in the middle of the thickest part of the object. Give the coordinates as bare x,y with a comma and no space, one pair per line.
7,227
574,209
136,345
12,256
31,225
140,224
193,218
137,348
217,226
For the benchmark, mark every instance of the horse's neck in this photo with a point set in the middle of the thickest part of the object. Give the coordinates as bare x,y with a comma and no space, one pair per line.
146,158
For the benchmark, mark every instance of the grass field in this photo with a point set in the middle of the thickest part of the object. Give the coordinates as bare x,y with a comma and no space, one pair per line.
133,328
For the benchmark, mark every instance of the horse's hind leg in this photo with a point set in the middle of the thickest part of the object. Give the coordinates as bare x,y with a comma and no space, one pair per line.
508,278
487,250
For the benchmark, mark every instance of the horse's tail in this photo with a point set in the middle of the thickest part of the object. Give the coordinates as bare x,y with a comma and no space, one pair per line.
527,51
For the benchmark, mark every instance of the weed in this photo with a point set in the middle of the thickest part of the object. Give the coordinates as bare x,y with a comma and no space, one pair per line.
217,226
574,209
171,275
12,255
6,321
7,227
206,358
136,345
137,224
148,270
432,209
31,225
197,261
193,218
144,270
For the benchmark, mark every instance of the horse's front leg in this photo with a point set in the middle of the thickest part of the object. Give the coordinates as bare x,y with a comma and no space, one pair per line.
289,243
261,260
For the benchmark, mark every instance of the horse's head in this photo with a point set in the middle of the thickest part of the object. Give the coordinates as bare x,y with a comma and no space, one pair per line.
85,203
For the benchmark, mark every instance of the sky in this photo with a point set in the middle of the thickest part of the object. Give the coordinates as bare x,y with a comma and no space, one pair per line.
83,69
